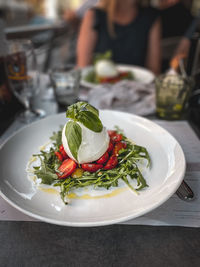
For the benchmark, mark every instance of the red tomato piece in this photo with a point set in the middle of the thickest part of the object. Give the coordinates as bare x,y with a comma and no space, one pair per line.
123,74
103,159
110,147
114,136
111,132
61,147
63,152
110,79
112,163
118,146
58,155
91,167
67,167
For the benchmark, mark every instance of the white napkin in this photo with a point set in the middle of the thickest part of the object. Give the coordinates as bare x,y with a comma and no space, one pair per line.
130,96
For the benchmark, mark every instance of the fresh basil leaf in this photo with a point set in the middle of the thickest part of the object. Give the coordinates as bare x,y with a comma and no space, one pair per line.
73,134
92,109
83,106
71,112
75,109
91,121
101,56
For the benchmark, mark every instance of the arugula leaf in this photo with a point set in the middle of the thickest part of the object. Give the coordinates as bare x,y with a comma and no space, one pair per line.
57,137
91,77
47,175
91,121
73,134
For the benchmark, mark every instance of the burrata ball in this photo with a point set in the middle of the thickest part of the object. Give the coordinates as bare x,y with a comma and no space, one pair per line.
106,68
92,147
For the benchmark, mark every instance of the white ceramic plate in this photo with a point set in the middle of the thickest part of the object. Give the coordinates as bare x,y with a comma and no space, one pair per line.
164,177
141,74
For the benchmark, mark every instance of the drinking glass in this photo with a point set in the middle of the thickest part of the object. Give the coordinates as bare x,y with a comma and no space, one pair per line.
172,93
65,81
23,76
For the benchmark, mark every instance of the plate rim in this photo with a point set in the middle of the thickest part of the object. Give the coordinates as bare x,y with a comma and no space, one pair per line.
103,222
131,67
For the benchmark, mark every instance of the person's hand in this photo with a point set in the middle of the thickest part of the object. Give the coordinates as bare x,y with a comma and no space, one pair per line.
174,63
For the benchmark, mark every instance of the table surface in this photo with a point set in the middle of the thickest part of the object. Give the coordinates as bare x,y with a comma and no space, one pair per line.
43,244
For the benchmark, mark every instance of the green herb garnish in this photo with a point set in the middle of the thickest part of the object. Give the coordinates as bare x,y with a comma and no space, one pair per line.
100,56
127,169
73,133
86,114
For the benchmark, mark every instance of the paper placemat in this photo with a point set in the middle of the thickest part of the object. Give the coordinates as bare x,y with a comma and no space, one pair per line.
172,212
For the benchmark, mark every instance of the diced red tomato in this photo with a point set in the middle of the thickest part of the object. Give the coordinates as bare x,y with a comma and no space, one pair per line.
63,152
124,74
114,136
119,77
110,147
118,146
112,163
91,167
110,79
111,132
61,147
58,155
67,167
103,159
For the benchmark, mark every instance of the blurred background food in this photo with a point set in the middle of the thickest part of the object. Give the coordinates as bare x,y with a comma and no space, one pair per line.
53,26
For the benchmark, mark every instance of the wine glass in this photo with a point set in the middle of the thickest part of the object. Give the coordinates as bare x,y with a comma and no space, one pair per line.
23,76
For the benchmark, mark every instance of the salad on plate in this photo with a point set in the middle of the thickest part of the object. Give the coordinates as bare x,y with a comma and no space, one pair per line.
85,154
105,71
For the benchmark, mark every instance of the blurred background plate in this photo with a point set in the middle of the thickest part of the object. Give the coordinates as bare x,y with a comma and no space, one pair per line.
141,74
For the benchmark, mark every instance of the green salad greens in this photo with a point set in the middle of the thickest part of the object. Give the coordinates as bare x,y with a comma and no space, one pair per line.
127,169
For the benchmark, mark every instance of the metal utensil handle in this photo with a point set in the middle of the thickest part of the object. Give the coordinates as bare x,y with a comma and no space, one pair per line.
184,192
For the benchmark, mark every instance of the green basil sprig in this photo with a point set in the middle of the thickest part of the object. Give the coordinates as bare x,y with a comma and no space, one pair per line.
85,114
73,133
90,120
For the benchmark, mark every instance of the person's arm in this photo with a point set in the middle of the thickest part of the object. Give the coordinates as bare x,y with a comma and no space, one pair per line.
86,40
153,61
183,47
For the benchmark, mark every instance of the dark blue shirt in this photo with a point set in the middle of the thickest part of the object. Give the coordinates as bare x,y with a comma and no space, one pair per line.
129,46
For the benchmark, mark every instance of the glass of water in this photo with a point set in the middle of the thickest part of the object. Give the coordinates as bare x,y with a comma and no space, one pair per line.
65,82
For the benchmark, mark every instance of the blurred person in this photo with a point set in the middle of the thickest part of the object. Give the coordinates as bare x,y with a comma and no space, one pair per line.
175,17
184,46
74,17
131,32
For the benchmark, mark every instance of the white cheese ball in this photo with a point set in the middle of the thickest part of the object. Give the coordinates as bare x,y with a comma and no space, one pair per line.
106,68
92,147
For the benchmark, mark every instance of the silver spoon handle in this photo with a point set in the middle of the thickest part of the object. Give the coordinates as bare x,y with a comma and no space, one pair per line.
184,192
